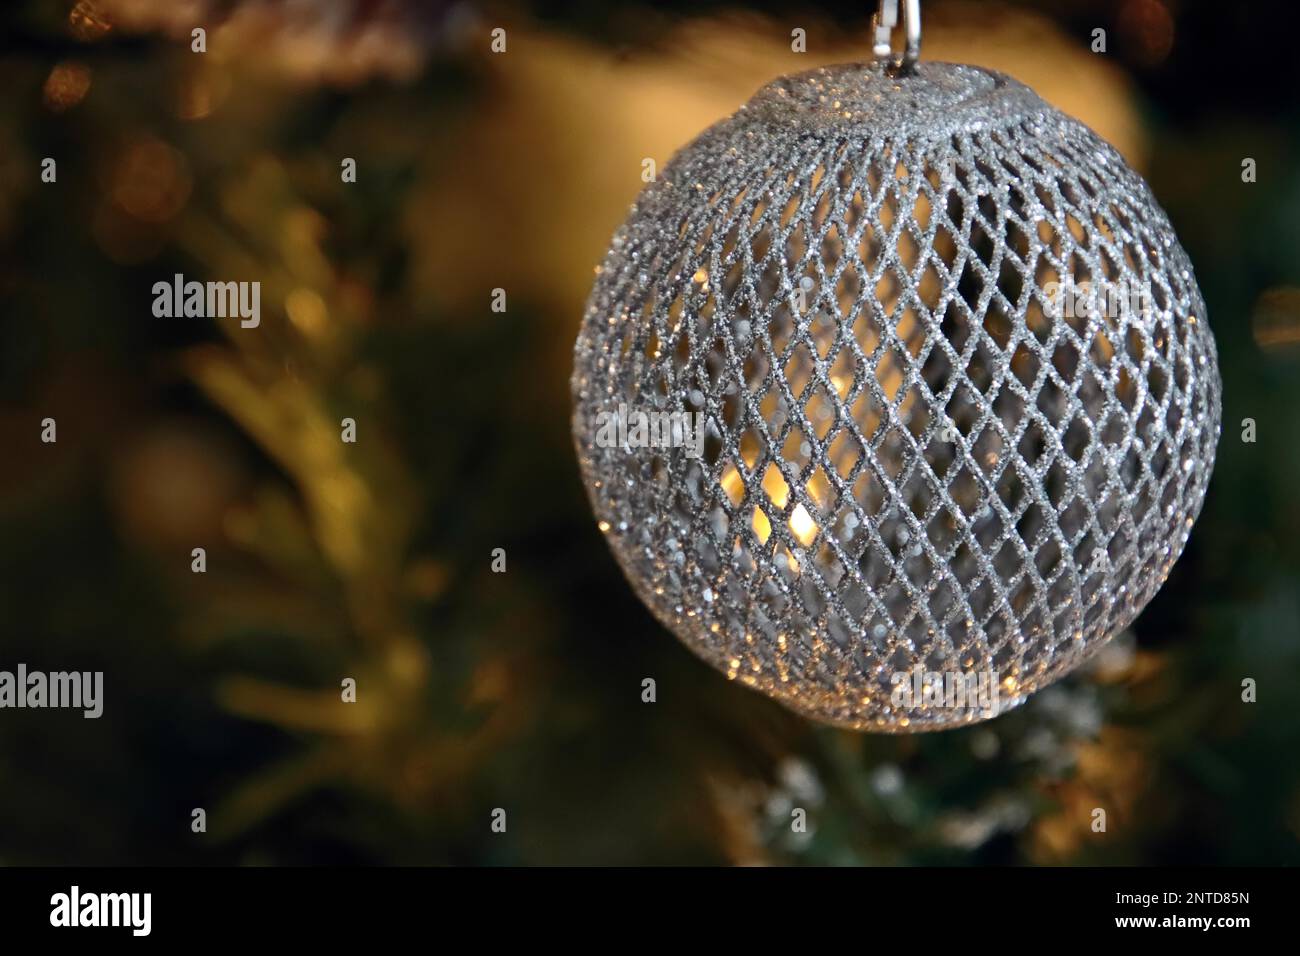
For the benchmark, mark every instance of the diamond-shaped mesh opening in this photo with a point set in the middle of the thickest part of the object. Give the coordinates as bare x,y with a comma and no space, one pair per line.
957,395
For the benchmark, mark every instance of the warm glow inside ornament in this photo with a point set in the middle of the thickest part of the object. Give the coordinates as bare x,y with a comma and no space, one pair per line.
958,398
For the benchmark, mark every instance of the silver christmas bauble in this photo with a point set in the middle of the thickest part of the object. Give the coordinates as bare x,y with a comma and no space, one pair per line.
895,395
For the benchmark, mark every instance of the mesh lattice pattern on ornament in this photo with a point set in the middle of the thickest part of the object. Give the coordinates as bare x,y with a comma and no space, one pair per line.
920,450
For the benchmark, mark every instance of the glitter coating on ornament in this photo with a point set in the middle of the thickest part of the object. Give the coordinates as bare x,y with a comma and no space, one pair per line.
958,395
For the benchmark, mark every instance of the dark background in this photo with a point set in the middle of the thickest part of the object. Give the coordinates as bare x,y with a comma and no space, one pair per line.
522,690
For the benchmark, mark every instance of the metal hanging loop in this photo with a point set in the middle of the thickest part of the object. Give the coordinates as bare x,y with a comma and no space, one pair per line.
883,24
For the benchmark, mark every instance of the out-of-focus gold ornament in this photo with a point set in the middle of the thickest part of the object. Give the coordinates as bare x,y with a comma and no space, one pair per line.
66,86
